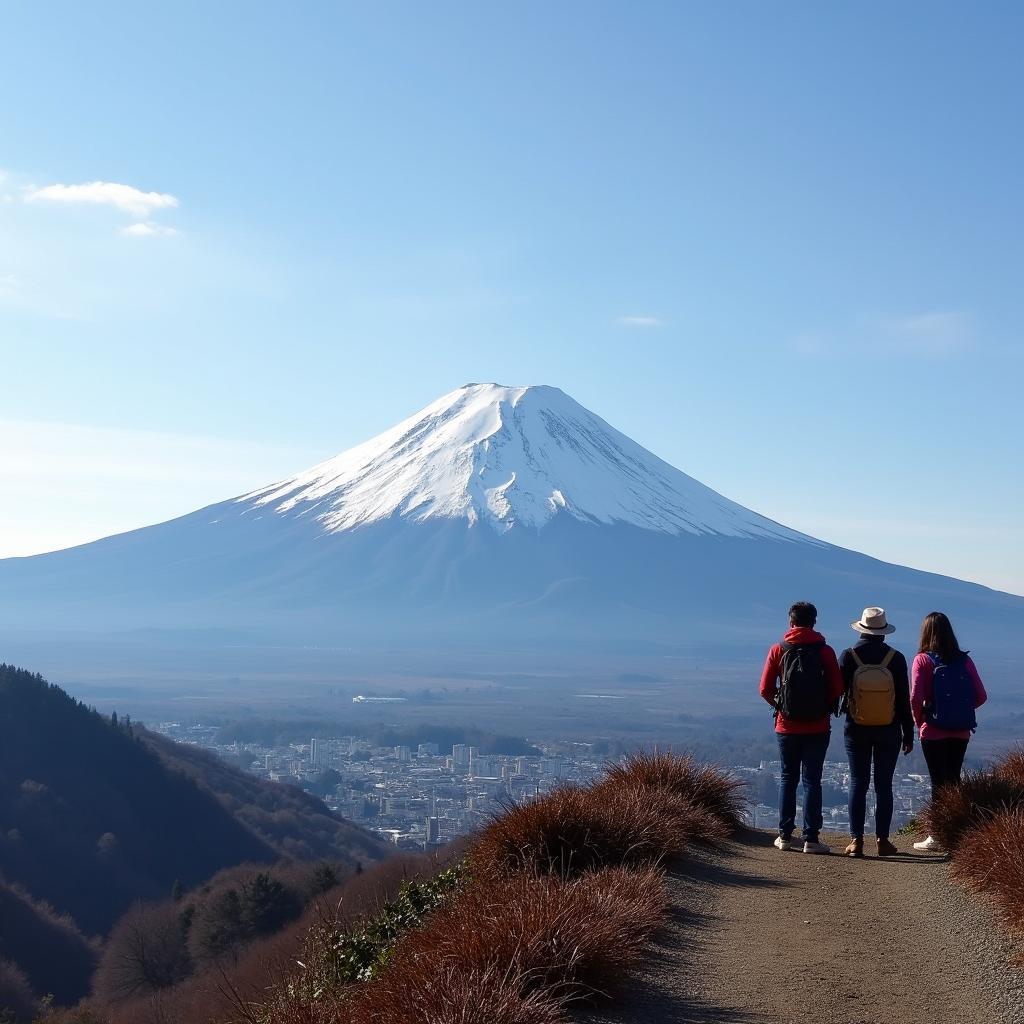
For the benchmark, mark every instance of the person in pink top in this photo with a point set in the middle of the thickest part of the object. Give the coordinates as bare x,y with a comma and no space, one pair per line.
945,691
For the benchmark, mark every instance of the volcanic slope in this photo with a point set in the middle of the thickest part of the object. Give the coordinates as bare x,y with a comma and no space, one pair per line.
496,514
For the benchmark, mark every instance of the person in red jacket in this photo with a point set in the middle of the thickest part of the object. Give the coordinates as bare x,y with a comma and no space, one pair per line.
802,682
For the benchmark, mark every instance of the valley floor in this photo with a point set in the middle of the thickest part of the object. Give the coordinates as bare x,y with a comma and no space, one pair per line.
763,937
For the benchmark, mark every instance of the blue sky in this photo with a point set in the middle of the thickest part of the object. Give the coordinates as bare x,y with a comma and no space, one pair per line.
778,245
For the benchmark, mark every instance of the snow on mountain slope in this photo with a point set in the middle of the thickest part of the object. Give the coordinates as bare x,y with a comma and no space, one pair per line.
510,457
508,518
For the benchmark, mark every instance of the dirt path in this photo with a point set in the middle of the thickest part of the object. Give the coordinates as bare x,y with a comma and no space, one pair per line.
763,937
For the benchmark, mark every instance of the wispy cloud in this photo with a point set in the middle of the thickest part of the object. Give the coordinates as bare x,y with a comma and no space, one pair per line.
938,333
147,229
89,261
934,333
106,193
639,321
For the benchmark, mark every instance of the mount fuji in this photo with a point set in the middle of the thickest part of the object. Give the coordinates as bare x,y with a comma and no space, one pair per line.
498,515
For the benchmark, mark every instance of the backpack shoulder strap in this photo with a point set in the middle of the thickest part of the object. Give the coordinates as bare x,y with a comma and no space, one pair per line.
856,658
889,657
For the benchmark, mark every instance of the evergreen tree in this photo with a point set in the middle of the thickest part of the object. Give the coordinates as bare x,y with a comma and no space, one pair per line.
324,877
266,905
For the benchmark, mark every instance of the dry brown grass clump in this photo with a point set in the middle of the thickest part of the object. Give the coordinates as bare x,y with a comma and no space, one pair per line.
1011,767
644,811
956,811
991,859
701,784
570,831
574,936
428,993
532,944
981,823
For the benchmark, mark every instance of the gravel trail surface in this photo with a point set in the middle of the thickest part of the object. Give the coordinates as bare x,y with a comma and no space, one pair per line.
758,936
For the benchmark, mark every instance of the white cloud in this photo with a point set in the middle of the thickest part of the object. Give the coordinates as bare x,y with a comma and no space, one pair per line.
107,193
932,333
639,321
147,229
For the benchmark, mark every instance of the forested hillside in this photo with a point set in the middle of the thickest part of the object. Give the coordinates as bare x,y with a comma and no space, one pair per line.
36,938
98,814
291,821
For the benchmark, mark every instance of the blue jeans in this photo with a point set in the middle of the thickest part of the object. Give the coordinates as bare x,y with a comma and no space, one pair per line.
880,745
802,755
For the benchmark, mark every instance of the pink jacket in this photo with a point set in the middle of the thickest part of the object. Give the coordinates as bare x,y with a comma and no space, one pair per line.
922,694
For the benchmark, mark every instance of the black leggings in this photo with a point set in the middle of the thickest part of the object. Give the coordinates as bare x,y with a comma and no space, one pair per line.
945,759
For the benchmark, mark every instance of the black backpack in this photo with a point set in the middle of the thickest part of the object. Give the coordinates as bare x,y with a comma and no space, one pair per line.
804,694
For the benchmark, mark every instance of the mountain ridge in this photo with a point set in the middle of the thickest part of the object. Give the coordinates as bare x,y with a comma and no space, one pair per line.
508,516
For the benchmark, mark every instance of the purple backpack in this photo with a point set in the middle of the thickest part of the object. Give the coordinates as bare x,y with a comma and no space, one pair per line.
953,700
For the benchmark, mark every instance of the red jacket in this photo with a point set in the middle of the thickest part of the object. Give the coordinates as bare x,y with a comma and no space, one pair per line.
773,668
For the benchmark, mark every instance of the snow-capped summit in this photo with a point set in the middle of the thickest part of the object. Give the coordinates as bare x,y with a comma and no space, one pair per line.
499,518
509,457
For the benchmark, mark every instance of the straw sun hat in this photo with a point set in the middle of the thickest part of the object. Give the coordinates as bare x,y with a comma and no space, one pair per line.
872,623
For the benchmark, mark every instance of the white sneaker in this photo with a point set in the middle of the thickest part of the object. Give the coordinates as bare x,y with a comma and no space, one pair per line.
928,845
810,847
782,843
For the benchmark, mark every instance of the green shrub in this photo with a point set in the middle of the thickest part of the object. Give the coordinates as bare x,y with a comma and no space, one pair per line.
335,957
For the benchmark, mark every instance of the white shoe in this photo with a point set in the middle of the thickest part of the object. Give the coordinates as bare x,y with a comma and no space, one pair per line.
783,844
810,847
928,845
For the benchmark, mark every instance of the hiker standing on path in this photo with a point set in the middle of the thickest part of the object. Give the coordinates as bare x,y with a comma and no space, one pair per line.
802,681
945,691
879,724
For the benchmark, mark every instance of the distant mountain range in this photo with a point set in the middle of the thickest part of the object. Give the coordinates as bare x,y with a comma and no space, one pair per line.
495,515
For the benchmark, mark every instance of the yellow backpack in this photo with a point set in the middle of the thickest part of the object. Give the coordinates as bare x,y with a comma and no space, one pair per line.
872,692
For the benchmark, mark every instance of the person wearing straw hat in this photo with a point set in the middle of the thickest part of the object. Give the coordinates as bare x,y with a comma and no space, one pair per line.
879,723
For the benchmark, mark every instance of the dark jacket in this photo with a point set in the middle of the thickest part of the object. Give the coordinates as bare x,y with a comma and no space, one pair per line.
872,651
